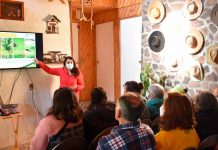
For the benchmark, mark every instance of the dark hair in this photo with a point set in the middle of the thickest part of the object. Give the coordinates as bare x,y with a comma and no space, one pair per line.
133,86
206,101
65,106
98,96
131,106
177,112
74,70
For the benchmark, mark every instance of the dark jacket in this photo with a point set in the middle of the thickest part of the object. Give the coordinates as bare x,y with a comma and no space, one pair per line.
97,118
207,123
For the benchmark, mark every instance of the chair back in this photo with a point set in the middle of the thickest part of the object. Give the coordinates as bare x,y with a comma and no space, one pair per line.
93,145
76,142
209,143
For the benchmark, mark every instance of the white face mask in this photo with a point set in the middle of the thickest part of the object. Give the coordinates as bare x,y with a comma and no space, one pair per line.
69,66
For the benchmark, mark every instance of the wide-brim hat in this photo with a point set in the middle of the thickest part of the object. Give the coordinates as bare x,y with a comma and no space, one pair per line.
194,41
212,55
156,11
175,64
196,71
214,15
156,41
192,9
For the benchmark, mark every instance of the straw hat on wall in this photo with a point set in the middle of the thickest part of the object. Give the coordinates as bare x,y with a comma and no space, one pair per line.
212,55
194,41
156,11
192,9
196,71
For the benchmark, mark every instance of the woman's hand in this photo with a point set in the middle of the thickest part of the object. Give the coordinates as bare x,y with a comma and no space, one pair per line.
36,61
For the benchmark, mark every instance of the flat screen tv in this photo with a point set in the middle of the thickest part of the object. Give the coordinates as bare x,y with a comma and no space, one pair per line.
19,49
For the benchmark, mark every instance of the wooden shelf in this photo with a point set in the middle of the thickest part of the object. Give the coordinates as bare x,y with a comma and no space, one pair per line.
11,10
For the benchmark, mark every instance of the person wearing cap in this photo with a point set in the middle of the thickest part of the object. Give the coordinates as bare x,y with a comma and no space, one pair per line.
70,75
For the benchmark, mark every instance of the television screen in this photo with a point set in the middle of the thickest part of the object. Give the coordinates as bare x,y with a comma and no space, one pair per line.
19,49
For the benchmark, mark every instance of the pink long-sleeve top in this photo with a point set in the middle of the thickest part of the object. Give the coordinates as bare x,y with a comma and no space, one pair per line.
66,80
47,127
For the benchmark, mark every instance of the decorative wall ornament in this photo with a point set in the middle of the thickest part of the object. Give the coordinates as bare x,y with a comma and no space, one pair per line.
194,41
212,55
214,15
54,57
175,64
156,11
52,24
87,3
196,71
192,9
156,41
12,10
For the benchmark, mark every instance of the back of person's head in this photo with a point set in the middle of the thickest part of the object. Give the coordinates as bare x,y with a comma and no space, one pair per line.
74,70
133,86
65,106
206,101
155,91
131,106
209,143
98,96
177,113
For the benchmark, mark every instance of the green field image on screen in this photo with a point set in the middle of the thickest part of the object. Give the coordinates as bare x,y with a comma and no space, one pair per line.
17,48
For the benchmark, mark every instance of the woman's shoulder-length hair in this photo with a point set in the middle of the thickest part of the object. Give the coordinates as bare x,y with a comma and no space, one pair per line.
65,106
178,112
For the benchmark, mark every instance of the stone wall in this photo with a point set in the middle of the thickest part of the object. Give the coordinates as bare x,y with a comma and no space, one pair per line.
173,21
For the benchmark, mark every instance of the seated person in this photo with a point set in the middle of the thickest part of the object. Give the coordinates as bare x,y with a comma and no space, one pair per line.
130,134
206,115
133,86
177,125
63,120
99,116
155,95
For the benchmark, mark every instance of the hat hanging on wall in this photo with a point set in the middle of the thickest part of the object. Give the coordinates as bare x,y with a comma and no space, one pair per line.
175,64
214,15
212,55
196,71
194,41
156,41
156,11
192,9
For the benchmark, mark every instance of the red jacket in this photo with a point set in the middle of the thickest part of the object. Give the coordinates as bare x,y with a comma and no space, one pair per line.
66,80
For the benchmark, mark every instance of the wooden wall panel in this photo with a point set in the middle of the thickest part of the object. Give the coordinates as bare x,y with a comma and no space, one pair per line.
87,58
106,16
107,3
127,3
104,3
117,63
130,11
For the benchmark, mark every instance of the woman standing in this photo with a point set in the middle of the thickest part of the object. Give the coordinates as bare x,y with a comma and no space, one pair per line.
70,75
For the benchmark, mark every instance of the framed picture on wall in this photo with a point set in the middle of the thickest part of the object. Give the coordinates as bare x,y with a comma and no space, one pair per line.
12,10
